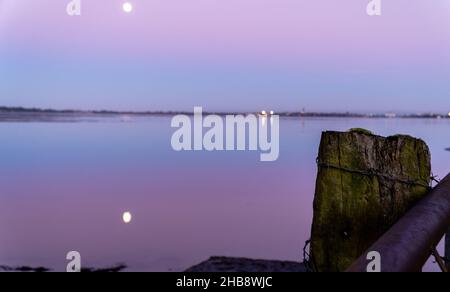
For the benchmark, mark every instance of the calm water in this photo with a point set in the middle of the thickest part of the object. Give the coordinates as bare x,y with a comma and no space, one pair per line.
64,186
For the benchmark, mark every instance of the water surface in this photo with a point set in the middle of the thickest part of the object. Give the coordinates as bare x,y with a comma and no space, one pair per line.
65,185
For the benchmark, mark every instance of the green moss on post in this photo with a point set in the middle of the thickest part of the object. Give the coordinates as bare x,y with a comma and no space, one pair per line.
361,131
364,185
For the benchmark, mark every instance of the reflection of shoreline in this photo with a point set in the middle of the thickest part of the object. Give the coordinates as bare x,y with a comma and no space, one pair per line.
30,114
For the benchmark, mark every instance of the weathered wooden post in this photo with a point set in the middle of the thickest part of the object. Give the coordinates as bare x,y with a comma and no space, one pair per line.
365,183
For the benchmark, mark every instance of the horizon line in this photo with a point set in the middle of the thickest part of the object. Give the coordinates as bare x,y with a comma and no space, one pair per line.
391,114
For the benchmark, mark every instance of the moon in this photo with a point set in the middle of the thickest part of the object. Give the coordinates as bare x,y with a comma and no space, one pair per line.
127,217
127,7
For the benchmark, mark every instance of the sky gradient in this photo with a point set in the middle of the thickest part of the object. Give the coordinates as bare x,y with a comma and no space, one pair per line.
286,55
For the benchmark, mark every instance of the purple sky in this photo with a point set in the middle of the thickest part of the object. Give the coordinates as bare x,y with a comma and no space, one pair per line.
322,55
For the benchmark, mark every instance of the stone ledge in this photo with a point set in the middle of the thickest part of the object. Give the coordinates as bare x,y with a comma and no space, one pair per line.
243,265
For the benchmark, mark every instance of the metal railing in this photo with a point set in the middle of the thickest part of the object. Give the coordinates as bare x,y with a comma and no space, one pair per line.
408,245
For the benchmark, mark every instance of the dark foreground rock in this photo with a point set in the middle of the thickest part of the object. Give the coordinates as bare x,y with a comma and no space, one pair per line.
224,264
24,269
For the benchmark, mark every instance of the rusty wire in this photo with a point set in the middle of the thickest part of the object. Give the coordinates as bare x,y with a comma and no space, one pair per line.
372,173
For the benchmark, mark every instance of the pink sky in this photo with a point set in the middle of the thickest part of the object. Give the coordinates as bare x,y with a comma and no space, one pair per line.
319,36
286,29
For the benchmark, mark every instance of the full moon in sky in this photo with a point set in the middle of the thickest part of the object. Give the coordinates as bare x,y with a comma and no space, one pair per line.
127,7
127,217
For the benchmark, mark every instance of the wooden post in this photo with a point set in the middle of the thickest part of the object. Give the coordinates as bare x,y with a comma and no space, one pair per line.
365,184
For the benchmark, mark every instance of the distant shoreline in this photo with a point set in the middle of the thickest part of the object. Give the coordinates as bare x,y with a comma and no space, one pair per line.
37,112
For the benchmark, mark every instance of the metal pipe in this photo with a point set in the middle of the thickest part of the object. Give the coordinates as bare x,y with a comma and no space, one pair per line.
408,244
